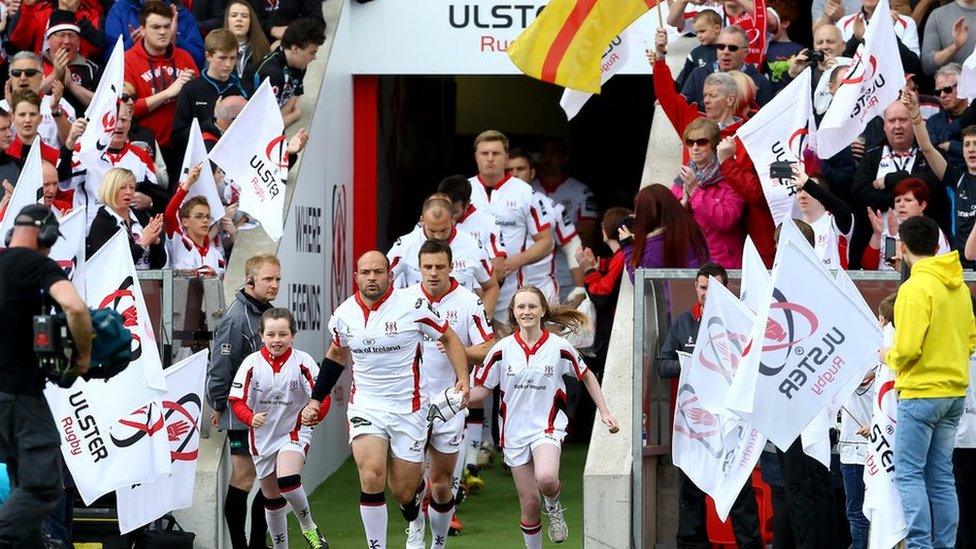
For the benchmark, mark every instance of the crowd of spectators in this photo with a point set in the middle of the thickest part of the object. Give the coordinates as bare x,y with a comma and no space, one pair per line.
184,61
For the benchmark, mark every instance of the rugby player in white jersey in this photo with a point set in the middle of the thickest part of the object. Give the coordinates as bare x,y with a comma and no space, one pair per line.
466,315
380,332
526,235
528,366
471,265
478,223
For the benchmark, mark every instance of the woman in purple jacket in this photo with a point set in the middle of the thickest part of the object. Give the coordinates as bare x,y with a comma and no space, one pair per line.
661,234
704,191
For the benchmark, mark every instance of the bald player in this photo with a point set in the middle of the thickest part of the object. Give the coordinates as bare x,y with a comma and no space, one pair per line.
471,264
380,332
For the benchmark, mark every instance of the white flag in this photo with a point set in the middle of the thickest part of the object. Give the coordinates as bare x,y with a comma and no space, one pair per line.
614,59
182,411
780,132
967,80
69,250
25,192
717,453
102,113
252,153
755,277
104,454
196,153
722,335
874,81
808,341
112,283
882,504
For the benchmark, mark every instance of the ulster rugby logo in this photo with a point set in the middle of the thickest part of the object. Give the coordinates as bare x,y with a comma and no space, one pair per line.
722,350
696,422
123,301
860,71
788,325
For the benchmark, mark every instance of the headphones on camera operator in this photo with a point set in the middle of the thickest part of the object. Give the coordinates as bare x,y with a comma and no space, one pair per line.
53,343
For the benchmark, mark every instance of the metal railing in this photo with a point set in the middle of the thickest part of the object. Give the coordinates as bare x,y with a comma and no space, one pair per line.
660,294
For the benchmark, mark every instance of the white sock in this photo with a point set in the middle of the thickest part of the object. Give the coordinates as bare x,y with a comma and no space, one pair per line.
372,509
532,534
276,514
472,438
551,502
458,469
440,522
299,504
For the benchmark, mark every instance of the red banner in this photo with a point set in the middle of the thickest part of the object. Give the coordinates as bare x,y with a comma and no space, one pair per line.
755,26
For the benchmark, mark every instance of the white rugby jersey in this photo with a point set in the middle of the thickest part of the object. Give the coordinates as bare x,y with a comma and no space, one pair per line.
574,196
471,264
483,227
905,29
88,172
184,254
279,386
386,342
531,382
516,213
543,273
830,244
465,313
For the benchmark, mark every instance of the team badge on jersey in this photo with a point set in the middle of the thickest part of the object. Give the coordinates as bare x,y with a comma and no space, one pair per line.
549,371
391,327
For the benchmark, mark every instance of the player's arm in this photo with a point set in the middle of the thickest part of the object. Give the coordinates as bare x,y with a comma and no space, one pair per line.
489,293
596,393
476,353
335,362
541,246
455,352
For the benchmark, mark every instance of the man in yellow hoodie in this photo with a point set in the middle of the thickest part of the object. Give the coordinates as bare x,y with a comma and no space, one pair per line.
935,333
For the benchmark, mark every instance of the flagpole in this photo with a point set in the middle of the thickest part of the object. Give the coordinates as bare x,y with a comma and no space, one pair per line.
852,416
660,15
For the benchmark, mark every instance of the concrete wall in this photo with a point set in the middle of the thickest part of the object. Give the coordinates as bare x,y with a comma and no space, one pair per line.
609,485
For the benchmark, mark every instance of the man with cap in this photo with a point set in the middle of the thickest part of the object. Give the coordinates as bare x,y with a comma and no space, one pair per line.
31,283
63,62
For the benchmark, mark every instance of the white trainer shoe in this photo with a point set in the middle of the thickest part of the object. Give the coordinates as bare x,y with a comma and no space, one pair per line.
415,533
558,530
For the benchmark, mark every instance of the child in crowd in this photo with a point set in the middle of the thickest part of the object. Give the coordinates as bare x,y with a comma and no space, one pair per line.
707,26
271,388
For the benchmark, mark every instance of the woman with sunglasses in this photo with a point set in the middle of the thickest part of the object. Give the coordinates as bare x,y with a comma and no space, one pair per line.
703,190
188,223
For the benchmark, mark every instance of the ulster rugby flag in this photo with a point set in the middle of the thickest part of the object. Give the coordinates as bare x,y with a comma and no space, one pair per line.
182,411
103,110
781,131
252,154
875,79
564,45
25,192
196,153
69,250
809,340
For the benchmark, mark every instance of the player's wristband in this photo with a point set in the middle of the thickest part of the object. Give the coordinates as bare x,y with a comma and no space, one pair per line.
329,374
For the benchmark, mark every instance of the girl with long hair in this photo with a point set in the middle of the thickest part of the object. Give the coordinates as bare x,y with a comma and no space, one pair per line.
241,20
528,367
661,233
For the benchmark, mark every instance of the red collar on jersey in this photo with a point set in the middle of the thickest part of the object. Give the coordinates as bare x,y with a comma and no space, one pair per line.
497,185
432,299
366,309
203,248
470,210
538,344
450,238
276,363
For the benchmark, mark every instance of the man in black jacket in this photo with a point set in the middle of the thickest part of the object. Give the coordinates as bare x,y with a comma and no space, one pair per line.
238,335
692,532
882,168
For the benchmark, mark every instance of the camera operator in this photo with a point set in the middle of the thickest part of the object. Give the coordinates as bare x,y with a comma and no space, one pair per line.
30,283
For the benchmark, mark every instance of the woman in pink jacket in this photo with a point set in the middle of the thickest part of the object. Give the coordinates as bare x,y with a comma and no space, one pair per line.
703,189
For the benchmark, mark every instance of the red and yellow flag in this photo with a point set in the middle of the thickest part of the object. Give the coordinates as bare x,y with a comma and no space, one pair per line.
565,43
